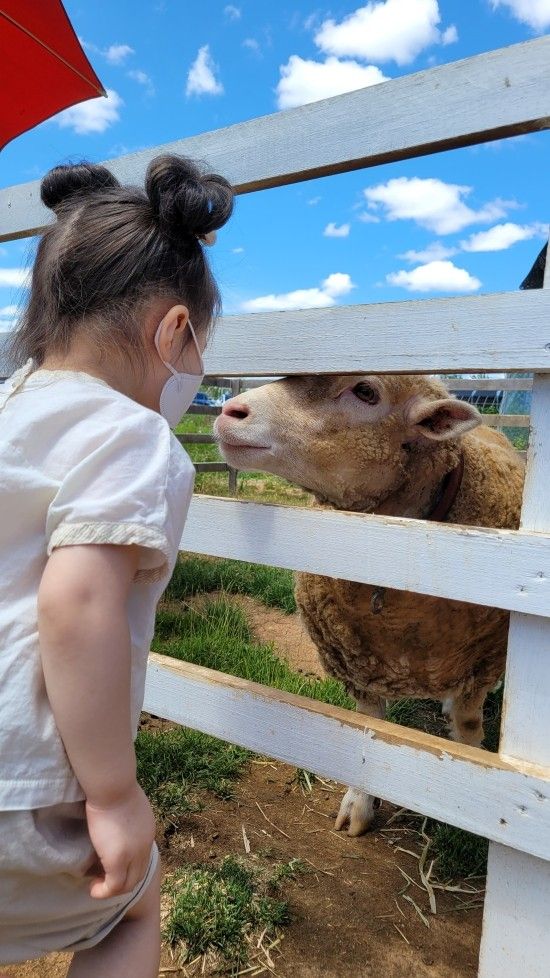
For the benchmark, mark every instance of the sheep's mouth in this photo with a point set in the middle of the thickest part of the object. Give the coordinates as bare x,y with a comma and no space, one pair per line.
227,447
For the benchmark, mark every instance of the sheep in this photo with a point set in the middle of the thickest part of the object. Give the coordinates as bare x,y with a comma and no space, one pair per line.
395,445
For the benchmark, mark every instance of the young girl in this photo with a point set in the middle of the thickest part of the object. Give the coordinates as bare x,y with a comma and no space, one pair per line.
94,491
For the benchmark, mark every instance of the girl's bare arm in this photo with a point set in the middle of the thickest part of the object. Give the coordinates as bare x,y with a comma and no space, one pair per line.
85,648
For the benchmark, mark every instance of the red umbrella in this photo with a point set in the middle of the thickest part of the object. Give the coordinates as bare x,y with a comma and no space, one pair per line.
43,68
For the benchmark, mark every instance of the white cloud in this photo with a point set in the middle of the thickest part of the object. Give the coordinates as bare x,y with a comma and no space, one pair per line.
238,251
304,81
96,115
435,251
232,12
201,79
449,36
252,44
14,277
142,78
116,54
335,285
333,231
436,276
8,311
367,218
432,204
534,13
313,201
502,236
391,30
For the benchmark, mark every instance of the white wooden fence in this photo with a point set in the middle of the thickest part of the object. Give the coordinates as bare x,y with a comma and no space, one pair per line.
505,797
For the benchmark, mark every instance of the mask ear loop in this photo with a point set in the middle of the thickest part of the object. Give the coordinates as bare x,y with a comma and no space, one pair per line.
197,347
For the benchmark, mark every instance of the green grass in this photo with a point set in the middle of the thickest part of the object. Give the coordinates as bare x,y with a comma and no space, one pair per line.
218,636
222,911
173,765
459,854
194,575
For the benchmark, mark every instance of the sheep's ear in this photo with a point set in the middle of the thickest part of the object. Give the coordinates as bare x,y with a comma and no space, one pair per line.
443,419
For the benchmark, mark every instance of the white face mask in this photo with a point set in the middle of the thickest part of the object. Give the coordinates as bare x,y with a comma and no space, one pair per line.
180,389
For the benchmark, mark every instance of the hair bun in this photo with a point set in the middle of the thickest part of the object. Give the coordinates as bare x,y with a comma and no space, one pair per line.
72,180
184,200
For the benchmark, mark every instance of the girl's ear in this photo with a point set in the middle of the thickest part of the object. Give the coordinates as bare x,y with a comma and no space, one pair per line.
170,332
441,420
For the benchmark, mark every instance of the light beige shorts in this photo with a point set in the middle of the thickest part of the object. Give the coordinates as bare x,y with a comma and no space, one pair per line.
45,860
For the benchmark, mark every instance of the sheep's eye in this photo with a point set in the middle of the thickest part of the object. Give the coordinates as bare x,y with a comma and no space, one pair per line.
366,393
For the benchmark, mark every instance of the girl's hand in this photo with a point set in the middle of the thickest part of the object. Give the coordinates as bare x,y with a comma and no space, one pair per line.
122,834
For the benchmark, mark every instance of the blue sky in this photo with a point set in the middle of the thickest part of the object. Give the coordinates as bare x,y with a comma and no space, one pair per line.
464,222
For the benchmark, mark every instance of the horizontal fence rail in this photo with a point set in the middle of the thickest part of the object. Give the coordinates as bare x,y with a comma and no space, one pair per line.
505,568
488,384
496,332
451,383
506,801
490,96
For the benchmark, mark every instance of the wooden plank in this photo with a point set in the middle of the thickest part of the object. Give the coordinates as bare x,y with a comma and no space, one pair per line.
467,787
429,558
186,439
200,409
488,384
451,383
506,420
501,331
410,116
516,920
211,467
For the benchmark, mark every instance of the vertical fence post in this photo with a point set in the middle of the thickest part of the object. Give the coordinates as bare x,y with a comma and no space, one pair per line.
516,920
233,473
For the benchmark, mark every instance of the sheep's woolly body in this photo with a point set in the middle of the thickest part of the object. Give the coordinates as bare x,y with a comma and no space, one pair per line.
407,644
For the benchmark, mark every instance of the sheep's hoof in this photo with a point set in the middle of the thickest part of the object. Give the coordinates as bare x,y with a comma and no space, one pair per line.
356,812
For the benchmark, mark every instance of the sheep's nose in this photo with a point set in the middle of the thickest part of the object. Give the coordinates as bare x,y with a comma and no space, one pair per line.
236,409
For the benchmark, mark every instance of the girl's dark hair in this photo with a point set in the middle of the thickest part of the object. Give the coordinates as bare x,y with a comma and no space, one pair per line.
114,248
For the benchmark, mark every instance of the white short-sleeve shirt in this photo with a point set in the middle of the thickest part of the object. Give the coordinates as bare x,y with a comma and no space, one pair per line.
80,463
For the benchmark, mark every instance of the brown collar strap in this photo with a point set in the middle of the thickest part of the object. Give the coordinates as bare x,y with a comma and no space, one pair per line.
448,493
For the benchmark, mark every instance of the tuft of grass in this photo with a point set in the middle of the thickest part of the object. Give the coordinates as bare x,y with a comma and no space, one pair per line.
419,714
172,765
194,575
221,911
218,636
459,854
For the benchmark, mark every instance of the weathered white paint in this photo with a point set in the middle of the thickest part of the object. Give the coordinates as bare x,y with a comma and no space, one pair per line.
516,921
501,568
411,116
501,331
451,383
506,801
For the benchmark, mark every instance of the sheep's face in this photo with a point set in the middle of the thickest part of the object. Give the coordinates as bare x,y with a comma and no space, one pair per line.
345,438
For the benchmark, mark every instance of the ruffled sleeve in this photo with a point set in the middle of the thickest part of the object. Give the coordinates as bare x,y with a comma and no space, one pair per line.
115,492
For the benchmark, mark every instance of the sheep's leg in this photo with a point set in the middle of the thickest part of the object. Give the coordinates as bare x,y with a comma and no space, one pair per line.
466,718
357,808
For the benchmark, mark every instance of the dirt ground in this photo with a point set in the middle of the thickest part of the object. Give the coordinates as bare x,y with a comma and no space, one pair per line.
285,631
350,916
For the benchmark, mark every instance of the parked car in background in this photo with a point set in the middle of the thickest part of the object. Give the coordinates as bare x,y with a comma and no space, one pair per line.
204,399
